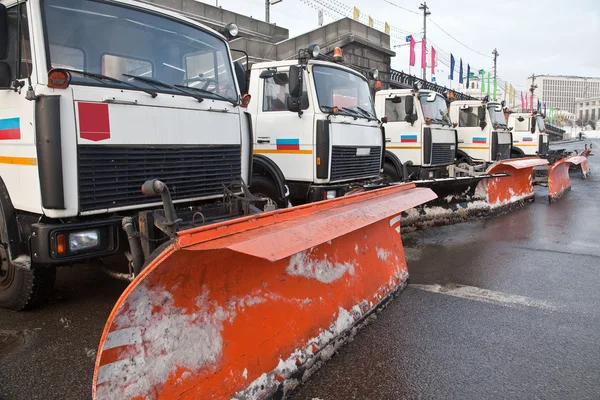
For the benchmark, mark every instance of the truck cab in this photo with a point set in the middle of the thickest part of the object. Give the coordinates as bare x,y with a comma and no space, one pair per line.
97,98
421,141
529,134
316,134
483,136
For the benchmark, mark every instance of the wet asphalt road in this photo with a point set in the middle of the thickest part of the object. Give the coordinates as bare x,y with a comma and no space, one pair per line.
502,308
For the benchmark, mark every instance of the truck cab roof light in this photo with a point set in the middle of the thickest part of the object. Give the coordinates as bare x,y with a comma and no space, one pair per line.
314,50
337,54
378,85
230,30
245,100
59,79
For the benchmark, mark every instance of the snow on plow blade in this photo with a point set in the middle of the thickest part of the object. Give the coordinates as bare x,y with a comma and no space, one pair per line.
559,181
506,185
250,307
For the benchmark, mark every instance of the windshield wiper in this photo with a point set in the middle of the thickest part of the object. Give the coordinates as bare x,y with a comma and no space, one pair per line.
357,114
367,114
342,111
102,78
208,92
156,83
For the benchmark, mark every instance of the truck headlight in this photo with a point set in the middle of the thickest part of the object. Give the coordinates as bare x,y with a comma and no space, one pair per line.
330,194
84,240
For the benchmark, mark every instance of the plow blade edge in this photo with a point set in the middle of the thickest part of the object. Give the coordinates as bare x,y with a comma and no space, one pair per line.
559,181
250,307
505,185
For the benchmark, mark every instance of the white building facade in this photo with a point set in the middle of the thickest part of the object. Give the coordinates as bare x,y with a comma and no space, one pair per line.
588,109
561,91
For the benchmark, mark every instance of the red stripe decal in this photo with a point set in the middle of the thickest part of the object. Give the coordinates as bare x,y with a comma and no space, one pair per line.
10,134
94,123
408,140
288,147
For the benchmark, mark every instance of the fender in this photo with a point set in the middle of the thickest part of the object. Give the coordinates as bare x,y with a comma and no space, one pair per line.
262,163
461,154
9,224
395,161
518,151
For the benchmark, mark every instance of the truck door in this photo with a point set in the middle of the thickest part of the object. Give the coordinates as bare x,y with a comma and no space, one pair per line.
473,140
402,137
18,155
282,135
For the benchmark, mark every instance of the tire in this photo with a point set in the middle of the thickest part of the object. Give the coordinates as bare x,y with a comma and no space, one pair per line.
516,154
265,187
22,289
390,174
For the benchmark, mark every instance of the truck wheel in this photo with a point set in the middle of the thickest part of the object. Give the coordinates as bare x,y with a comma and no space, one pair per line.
265,187
20,288
390,174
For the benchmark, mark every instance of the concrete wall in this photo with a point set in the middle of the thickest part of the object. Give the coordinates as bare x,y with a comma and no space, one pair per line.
216,17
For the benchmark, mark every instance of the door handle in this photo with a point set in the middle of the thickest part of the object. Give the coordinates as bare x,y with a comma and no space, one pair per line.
263,140
388,140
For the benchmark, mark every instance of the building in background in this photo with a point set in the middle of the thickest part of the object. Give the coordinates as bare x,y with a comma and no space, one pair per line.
587,109
560,91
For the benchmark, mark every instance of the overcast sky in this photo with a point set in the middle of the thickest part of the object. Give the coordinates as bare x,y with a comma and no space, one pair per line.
556,37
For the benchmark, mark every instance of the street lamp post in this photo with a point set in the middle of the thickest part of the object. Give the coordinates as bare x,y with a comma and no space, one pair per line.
268,4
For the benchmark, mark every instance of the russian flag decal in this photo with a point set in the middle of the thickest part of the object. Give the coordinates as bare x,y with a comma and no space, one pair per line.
10,129
288,144
408,138
528,139
480,140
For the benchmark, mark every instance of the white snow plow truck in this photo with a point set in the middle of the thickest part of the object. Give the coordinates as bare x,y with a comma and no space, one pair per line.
316,135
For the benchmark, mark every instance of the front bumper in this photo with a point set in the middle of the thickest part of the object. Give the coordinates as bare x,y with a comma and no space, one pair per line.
43,241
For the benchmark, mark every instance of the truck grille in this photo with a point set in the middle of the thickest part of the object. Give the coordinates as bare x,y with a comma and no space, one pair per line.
442,153
111,176
504,151
345,164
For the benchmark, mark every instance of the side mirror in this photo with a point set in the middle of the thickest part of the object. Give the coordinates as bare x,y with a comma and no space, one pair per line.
267,73
295,76
384,120
241,76
481,115
5,76
3,32
533,122
293,104
409,105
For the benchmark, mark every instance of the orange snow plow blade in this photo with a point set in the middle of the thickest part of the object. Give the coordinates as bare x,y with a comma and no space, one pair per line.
516,188
559,181
251,307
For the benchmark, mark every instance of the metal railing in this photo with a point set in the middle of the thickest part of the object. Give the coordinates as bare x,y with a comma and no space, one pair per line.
401,80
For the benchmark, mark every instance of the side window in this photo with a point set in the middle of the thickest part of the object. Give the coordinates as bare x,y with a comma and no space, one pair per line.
276,92
396,111
18,42
468,118
116,66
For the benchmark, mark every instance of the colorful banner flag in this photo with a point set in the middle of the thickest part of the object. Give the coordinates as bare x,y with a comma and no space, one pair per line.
512,96
433,61
468,74
531,102
413,57
545,109
539,108
488,85
371,21
482,73
356,15
423,53
522,101
451,67
387,28
460,73
495,89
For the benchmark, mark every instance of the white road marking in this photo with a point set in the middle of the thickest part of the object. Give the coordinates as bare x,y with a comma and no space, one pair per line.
486,296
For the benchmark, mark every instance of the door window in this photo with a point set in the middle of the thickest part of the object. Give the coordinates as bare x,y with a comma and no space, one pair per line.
19,42
396,111
276,92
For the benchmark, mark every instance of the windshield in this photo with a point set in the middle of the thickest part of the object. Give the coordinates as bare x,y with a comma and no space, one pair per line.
540,123
496,114
436,109
337,87
113,40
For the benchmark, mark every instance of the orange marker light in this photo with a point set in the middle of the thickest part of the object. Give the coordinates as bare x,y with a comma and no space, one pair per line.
335,110
337,54
378,85
245,100
61,243
58,79
318,160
